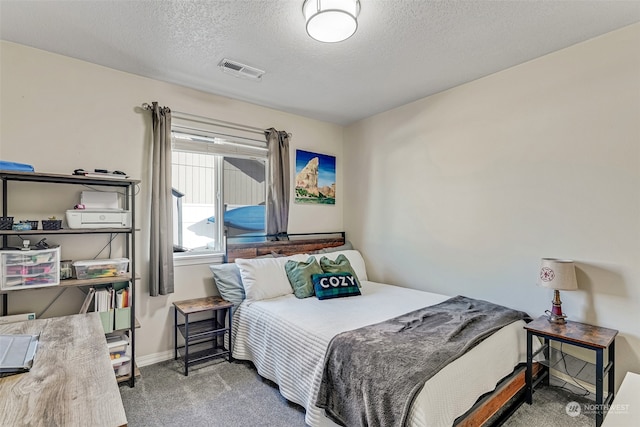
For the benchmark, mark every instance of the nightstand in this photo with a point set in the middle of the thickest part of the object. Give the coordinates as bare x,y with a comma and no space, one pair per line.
202,331
582,335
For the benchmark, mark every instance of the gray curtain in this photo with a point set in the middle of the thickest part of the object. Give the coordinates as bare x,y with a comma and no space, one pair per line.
161,256
279,182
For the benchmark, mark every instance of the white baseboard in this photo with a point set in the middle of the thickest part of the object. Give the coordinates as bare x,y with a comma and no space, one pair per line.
151,359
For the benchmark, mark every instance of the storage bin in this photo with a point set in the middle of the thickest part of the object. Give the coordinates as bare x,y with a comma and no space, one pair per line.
121,366
33,223
51,224
6,222
29,269
106,317
96,268
118,345
122,318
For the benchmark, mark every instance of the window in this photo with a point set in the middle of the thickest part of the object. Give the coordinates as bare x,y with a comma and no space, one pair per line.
219,185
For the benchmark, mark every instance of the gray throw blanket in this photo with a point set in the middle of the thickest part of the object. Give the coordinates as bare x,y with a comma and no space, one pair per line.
372,374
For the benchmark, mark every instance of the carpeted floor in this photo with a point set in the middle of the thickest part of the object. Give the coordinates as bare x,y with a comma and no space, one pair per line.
234,395
214,394
549,409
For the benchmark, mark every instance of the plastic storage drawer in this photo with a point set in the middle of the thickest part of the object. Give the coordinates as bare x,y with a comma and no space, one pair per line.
29,269
97,268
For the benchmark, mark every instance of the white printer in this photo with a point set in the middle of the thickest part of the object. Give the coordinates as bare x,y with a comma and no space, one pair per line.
100,210
96,218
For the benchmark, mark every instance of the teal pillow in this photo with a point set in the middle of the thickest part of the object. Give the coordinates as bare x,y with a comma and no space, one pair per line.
340,265
299,274
335,285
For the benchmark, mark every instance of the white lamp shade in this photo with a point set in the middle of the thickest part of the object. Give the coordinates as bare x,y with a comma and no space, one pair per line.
331,21
557,274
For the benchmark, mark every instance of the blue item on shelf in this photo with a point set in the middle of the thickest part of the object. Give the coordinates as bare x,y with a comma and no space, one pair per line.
21,226
13,166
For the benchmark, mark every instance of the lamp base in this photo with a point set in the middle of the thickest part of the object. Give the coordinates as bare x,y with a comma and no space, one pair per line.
556,315
556,318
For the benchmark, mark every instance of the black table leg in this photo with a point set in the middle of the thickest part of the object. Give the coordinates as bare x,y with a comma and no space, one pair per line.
529,373
230,343
186,345
611,387
599,386
175,333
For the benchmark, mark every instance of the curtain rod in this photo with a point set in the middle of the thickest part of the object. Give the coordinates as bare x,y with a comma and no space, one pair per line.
209,120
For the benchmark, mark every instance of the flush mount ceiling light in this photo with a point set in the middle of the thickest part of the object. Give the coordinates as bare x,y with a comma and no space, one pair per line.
331,21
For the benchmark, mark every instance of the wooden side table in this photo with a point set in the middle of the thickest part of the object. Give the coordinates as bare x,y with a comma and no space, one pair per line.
202,331
582,335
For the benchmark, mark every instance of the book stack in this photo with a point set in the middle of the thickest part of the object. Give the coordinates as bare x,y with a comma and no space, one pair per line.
104,300
122,298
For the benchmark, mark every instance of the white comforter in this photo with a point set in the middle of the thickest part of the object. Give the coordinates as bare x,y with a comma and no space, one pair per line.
286,338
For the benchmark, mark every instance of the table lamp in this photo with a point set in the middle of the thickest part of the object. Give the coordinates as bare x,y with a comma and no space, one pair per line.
559,275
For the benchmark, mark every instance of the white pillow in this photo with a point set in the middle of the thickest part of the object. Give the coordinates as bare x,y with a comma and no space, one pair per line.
355,259
264,278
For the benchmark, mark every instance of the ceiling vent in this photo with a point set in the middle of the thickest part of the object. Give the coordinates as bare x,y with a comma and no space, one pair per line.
240,70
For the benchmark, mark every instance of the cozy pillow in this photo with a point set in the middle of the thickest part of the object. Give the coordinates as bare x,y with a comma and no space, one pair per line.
340,265
265,278
299,274
335,285
355,259
228,281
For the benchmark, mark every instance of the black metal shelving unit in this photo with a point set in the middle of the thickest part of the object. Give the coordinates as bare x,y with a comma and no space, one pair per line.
128,185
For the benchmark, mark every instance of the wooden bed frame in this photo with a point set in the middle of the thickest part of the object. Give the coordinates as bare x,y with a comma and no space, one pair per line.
495,407
491,409
296,244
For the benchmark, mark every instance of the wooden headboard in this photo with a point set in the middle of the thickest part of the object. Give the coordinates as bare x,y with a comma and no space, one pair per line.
297,244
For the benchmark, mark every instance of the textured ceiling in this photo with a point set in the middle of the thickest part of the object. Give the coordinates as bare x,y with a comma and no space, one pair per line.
403,50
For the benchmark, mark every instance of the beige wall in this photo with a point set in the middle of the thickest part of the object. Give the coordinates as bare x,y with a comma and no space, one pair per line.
59,114
463,192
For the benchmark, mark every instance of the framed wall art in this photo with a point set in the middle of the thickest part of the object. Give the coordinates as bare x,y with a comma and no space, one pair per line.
315,178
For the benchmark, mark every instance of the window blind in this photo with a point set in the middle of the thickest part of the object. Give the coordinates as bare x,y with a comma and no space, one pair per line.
198,136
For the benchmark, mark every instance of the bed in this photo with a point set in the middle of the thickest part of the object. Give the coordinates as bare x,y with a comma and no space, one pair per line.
286,338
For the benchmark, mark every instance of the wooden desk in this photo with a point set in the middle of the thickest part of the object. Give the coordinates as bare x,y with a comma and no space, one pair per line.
71,382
